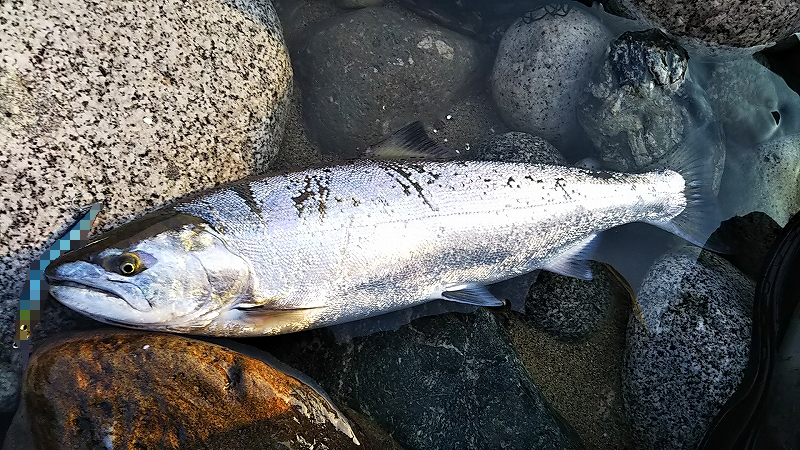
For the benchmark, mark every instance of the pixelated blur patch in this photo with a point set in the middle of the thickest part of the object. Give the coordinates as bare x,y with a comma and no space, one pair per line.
35,289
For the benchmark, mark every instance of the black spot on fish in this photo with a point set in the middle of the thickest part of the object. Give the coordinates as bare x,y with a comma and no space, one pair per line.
561,184
314,188
510,182
405,172
245,192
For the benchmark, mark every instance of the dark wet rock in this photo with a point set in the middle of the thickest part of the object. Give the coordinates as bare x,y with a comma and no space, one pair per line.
762,411
722,29
679,373
19,436
568,308
83,117
516,146
145,390
753,104
368,73
451,381
543,64
765,179
645,75
748,239
784,60
357,3
479,18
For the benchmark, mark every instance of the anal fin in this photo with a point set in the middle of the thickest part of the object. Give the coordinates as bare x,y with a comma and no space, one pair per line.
574,262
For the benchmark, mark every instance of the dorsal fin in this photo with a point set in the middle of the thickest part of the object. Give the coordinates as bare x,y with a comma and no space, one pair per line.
410,142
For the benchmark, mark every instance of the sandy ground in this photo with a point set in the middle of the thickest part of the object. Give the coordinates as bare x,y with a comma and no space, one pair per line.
581,380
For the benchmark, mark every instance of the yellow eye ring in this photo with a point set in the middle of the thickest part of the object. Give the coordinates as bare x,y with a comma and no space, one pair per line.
129,264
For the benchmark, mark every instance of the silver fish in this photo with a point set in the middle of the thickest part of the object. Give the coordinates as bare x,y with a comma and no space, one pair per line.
284,253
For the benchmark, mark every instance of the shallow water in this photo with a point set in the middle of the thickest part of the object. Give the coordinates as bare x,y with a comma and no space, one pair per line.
613,115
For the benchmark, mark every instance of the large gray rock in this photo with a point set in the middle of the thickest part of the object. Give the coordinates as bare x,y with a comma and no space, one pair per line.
368,73
645,75
451,381
131,102
718,29
753,104
765,178
678,374
542,68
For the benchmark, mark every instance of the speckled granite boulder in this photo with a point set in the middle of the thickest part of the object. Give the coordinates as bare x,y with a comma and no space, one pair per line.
645,75
368,73
542,68
752,103
516,146
450,381
133,102
146,390
718,29
765,178
677,375
568,308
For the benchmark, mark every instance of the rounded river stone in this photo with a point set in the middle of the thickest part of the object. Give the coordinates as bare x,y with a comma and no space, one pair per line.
146,390
678,374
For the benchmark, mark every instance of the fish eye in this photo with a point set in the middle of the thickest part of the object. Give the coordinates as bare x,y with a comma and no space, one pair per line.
129,264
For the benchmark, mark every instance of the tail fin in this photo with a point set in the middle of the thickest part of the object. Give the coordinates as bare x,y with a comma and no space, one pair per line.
694,161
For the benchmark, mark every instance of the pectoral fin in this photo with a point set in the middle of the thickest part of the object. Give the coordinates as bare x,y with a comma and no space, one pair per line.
472,294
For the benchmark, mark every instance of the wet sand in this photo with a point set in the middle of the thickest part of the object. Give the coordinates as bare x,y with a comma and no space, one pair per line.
582,380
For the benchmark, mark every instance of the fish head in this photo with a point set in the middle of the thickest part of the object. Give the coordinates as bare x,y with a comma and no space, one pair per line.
165,271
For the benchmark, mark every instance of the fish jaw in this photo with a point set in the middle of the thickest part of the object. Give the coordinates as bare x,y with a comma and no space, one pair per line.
86,288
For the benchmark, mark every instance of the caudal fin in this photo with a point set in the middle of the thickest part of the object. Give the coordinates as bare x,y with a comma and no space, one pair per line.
694,161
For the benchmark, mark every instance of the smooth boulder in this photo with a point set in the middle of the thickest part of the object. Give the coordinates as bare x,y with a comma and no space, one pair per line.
542,67
368,73
147,390
679,373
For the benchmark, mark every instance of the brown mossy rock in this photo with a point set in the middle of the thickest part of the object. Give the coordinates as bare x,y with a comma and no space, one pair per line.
160,391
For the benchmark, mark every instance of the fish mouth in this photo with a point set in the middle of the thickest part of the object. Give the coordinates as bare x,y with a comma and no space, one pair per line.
77,285
94,287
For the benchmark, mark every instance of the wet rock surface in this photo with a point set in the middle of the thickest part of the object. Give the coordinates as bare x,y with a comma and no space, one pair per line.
714,26
568,308
749,240
753,104
678,374
542,66
135,103
764,179
450,381
645,75
145,390
368,73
